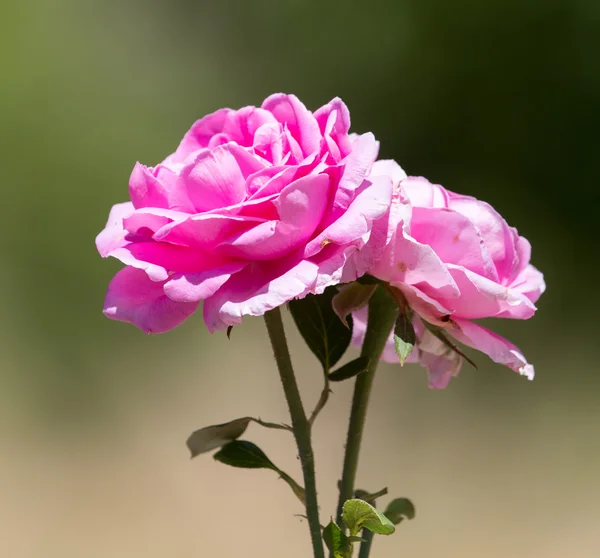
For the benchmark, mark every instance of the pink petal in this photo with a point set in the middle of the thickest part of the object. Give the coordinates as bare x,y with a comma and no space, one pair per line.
408,262
284,175
158,258
498,237
214,179
201,133
530,282
241,125
192,287
113,235
370,204
205,230
334,123
500,350
146,221
269,142
355,170
342,120
388,167
301,206
482,298
453,238
150,187
302,125
423,193
441,362
258,288
132,297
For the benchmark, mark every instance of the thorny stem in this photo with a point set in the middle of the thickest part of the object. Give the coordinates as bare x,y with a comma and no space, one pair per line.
300,424
383,312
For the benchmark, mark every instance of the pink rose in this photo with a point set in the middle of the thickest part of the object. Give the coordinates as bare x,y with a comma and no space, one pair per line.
455,259
256,207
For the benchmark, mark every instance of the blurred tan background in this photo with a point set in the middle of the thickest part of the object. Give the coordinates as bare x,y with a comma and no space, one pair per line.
499,99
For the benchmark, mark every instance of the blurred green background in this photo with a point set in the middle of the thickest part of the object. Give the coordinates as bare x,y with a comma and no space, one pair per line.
498,98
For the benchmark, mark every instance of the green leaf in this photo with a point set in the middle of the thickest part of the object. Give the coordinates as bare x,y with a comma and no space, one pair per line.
350,298
358,514
399,509
404,336
335,540
350,369
324,333
244,454
212,437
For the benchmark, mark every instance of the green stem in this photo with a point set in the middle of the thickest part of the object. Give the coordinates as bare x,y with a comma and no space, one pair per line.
383,312
300,424
365,546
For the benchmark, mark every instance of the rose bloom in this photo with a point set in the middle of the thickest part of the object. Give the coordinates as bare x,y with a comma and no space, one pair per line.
455,260
256,207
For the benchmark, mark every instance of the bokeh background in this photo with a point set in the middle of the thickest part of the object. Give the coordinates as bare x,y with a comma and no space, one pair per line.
498,98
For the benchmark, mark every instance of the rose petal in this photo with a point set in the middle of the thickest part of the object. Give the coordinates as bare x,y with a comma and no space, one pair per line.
530,282
302,125
370,204
158,258
258,288
499,238
355,170
192,287
205,230
482,298
453,238
132,297
500,350
213,179
301,206
152,187
422,193
113,235
201,133
241,125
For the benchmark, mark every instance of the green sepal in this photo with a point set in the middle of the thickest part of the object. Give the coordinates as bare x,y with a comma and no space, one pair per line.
405,338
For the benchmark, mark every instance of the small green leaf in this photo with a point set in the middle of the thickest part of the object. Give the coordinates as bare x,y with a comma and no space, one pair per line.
244,454
404,336
335,540
350,298
358,514
212,437
324,333
350,369
399,509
